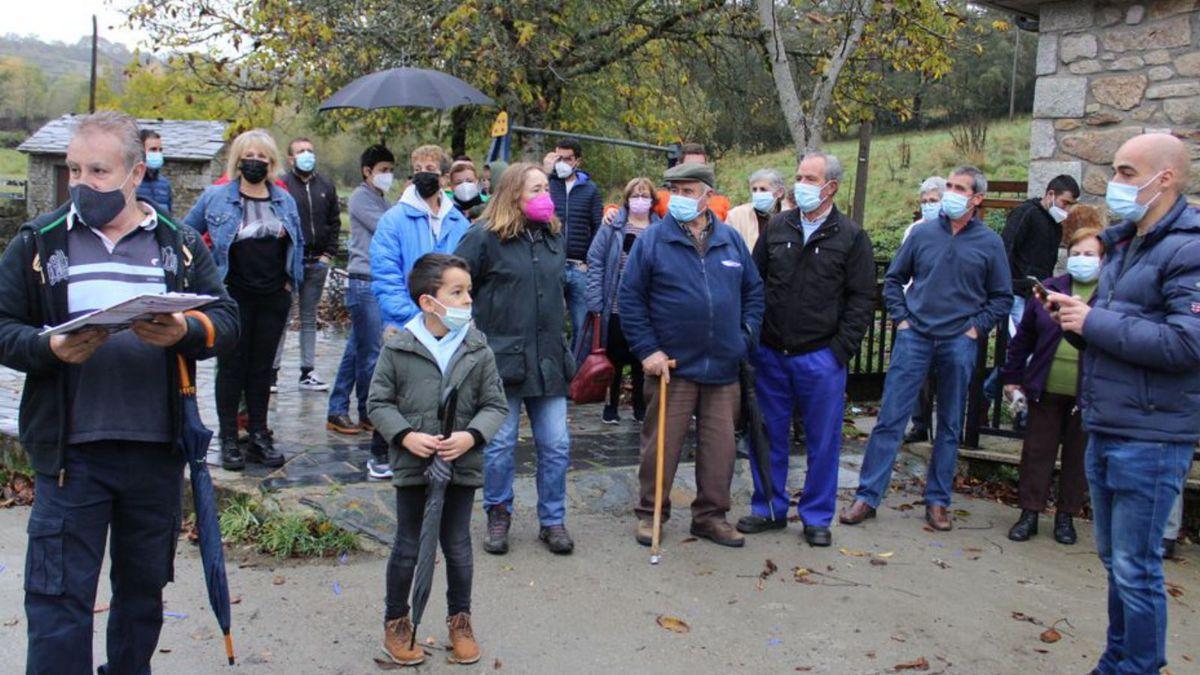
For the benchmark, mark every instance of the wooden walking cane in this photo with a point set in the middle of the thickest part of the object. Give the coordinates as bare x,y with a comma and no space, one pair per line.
655,552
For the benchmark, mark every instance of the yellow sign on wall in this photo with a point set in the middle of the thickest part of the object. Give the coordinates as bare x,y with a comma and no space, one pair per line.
500,126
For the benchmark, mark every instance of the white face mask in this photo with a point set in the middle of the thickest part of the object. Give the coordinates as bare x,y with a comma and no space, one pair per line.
383,181
563,170
465,192
1058,214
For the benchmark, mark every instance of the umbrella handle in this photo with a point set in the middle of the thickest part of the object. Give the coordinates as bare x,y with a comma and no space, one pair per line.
659,459
229,648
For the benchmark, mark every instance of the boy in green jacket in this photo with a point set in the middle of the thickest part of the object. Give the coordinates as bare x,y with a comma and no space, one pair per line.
436,351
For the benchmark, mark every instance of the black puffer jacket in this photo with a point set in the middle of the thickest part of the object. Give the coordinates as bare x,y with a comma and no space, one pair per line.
820,294
518,292
1031,240
580,211
320,214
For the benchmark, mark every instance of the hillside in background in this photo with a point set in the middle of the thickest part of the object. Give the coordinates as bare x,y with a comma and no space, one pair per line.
56,59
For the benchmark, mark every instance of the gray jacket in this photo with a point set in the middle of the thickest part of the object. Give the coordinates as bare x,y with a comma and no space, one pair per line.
366,207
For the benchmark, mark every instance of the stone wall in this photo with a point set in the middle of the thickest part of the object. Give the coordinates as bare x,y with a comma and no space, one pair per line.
1108,71
12,215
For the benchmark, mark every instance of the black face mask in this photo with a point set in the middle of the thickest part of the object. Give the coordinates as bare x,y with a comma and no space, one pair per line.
253,170
97,208
427,182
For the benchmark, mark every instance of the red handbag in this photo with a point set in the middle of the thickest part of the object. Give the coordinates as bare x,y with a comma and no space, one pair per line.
594,377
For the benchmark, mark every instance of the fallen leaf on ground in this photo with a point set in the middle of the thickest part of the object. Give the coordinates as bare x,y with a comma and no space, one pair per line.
689,540
278,580
431,641
941,563
905,507
885,554
877,562
673,624
899,638
236,600
803,669
962,513
12,622
1187,658
854,554
920,664
497,665
1021,616
1041,651
1050,636
802,575
1174,590
972,550
164,650
769,568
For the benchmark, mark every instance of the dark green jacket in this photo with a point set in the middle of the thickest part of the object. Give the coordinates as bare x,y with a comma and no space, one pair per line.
407,389
518,292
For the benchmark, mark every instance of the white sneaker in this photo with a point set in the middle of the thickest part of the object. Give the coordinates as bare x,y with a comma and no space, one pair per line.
377,470
310,383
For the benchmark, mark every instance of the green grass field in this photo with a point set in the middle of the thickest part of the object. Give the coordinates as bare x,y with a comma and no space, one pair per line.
12,164
892,193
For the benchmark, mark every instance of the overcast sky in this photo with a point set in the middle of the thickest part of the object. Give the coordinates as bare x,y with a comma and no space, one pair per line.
69,20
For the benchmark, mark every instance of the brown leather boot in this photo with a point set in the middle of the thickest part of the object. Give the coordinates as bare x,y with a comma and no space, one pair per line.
463,647
857,512
938,518
398,645
718,531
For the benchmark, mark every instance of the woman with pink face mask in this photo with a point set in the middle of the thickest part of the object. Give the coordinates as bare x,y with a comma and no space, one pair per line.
606,261
517,257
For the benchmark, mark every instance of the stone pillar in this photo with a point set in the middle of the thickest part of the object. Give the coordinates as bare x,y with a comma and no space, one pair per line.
1108,71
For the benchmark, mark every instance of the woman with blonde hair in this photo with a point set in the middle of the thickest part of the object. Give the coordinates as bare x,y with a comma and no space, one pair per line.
517,256
606,263
258,248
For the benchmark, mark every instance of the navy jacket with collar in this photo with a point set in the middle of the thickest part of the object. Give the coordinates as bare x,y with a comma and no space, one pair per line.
704,312
580,210
1141,367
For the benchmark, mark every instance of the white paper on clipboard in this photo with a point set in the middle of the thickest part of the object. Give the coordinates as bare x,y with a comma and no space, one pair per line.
121,315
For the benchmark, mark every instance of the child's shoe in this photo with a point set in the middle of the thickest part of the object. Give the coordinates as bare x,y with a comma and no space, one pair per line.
398,645
463,647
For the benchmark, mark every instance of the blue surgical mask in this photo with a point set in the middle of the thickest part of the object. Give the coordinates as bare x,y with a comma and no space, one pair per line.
931,210
1083,268
763,201
955,205
1122,199
456,318
154,160
683,209
306,161
808,197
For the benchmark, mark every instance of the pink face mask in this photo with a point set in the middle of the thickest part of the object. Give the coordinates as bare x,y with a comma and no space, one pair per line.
640,206
540,209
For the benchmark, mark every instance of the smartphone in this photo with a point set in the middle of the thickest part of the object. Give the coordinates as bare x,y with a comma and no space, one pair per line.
1041,291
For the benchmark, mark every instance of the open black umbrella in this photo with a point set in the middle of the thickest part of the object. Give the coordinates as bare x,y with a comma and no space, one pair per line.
438,475
406,88
754,427
193,442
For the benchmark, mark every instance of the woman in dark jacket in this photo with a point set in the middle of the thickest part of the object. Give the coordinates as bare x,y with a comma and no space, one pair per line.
258,249
606,261
1045,367
517,257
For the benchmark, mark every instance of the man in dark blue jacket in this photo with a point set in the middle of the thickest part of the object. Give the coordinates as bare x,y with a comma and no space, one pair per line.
1140,386
155,188
960,289
579,207
691,294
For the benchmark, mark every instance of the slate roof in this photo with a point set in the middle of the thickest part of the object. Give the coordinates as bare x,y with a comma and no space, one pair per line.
182,139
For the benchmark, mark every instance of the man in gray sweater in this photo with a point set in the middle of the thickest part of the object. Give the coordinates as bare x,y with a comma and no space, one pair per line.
367,205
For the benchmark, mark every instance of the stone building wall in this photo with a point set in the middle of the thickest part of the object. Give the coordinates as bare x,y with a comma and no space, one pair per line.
188,180
1108,71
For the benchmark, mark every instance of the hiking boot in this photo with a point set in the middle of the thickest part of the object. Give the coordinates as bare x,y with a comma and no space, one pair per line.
231,454
610,416
464,649
1025,527
817,535
557,539
917,435
857,512
310,382
262,450
718,532
398,646
1064,529
755,524
645,532
499,520
342,424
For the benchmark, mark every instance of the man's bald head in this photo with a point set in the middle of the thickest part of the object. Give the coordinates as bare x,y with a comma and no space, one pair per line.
1143,157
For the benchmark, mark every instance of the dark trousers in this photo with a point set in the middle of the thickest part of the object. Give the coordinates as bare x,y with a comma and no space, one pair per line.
455,536
246,370
621,355
130,494
715,407
1053,420
922,417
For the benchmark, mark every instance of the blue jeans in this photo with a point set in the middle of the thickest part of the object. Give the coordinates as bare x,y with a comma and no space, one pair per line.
362,350
123,494
816,383
575,290
1015,314
952,360
1133,486
548,416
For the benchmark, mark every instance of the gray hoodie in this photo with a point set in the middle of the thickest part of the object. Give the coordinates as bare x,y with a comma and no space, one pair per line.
366,207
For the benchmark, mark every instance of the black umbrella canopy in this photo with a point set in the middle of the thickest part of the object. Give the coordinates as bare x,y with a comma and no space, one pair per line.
406,88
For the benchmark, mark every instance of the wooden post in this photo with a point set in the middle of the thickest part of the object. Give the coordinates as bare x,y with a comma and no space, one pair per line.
1012,84
92,82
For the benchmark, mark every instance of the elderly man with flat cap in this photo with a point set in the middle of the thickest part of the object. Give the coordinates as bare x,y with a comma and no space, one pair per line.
1139,386
692,295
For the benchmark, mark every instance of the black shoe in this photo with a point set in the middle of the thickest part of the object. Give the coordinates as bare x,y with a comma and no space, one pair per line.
1064,529
231,454
917,435
557,539
499,520
610,415
1026,527
1168,549
262,450
639,416
816,535
754,524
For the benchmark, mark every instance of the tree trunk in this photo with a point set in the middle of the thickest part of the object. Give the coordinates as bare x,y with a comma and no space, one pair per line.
781,71
460,119
822,94
861,173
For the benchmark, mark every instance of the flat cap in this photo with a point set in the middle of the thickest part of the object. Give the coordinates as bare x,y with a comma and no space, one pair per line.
691,171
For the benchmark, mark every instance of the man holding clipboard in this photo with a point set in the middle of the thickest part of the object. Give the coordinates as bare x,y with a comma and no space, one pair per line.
99,411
